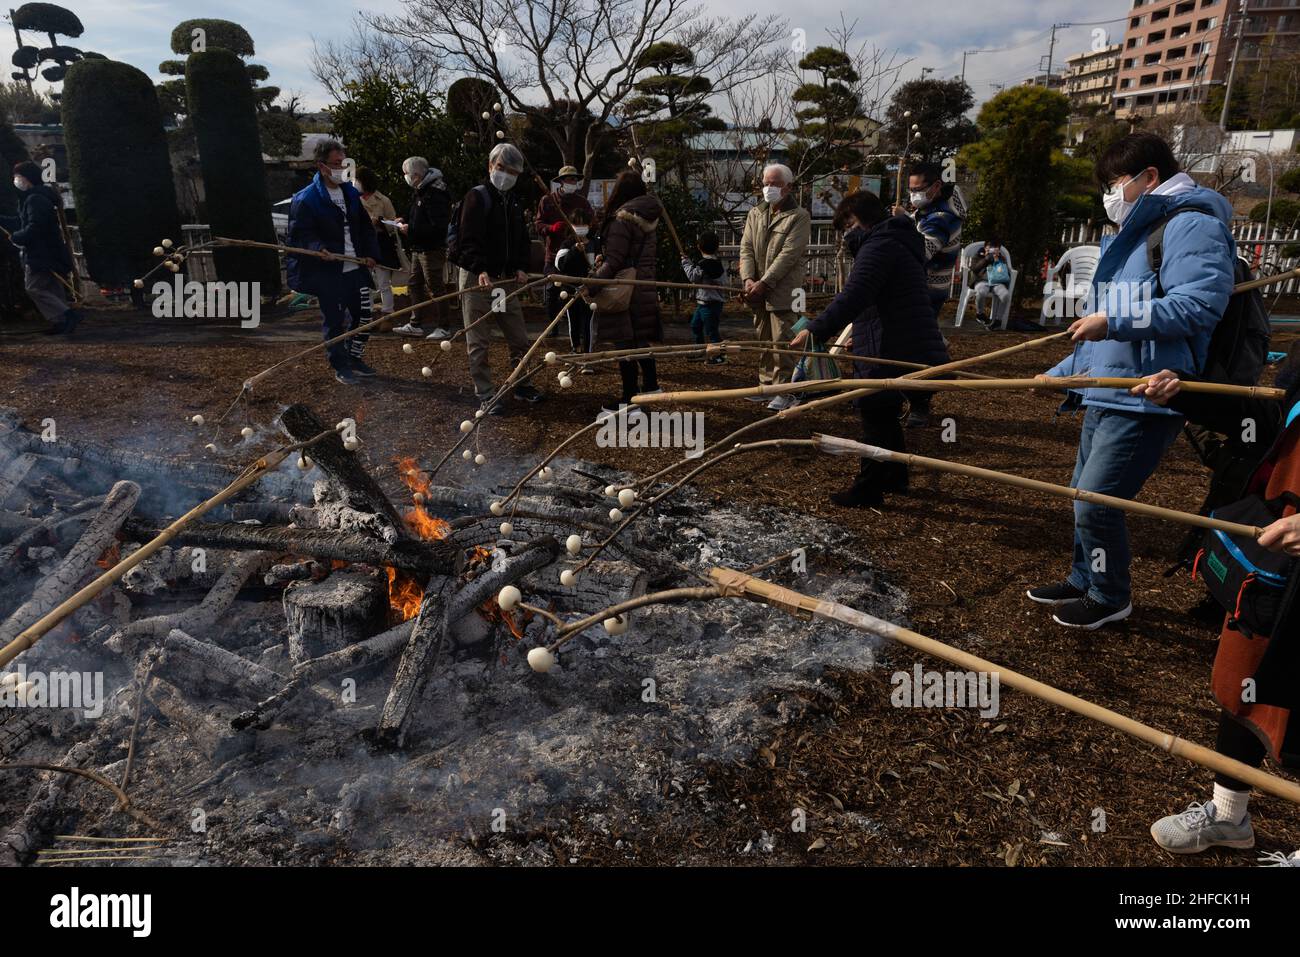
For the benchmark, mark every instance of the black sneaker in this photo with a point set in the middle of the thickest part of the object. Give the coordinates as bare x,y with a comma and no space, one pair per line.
527,393
861,494
361,369
345,377
1057,594
1090,615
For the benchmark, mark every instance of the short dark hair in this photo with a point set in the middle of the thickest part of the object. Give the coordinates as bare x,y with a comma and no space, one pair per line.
367,179
1134,153
708,242
324,148
863,204
930,172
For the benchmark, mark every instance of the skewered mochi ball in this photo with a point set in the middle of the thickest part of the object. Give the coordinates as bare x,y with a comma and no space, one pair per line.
615,515
501,134
574,544
427,372
467,455
497,509
546,473
486,115
564,294
507,528
139,284
565,381
496,107
480,459
210,447
167,244
626,497
541,660
246,432
616,626
445,345
304,463
610,490
508,598
479,413
552,358
159,251
467,426
568,577
172,267
407,348
197,419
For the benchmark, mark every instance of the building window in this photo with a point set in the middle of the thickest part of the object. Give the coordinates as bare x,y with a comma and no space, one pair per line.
1160,15
1177,53
1151,59
1130,62
1181,31
1209,23
1155,37
1148,79
1125,83
1186,7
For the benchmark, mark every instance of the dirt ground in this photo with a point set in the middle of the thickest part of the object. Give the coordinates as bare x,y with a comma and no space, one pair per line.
944,786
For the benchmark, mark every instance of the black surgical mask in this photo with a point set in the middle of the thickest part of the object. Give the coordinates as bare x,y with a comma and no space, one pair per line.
853,239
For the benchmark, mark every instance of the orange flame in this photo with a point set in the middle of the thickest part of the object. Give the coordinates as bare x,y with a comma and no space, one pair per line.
110,556
404,596
428,527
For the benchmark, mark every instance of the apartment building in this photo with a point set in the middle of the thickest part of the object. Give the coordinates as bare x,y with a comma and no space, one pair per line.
1174,51
1089,78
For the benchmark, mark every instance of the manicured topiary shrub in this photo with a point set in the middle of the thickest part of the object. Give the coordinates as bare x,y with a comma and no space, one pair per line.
119,166
224,114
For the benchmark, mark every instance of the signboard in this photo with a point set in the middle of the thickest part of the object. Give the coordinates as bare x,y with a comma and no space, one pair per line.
827,191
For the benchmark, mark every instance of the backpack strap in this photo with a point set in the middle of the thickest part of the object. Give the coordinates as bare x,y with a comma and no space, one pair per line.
1156,241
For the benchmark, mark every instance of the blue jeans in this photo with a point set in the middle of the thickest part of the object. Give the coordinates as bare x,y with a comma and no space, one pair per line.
1118,451
706,322
344,304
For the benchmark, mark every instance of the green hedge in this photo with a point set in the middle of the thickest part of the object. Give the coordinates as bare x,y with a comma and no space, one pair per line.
222,110
120,169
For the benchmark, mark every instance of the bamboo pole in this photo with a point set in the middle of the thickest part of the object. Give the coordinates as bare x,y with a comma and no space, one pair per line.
561,280
291,250
1062,383
834,445
740,585
38,629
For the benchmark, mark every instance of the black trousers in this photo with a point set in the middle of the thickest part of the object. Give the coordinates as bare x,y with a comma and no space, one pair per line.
1235,740
879,413
649,377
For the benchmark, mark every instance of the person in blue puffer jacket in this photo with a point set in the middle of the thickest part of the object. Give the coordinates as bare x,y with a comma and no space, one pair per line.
1140,323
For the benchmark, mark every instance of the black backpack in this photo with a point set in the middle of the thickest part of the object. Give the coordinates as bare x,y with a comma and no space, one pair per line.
1239,344
453,224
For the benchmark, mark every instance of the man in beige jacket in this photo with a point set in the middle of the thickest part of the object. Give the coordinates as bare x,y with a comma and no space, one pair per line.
773,255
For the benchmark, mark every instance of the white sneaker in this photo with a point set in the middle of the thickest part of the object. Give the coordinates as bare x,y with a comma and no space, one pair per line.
1279,859
437,334
781,403
410,329
1198,829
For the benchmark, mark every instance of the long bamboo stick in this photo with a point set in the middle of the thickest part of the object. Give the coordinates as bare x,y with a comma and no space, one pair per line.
834,445
39,628
560,280
755,589
1062,383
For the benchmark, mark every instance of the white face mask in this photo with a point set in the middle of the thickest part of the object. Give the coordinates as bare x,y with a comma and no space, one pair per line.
20,182
414,178
919,198
570,187
335,175
580,231
772,194
1117,207
502,180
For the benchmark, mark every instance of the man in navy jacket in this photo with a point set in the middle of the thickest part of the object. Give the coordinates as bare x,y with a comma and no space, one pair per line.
327,216
36,231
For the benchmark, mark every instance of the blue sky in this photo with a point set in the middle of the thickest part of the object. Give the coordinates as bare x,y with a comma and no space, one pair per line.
931,35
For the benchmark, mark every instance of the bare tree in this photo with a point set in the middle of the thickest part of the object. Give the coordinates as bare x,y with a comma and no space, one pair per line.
556,61
368,54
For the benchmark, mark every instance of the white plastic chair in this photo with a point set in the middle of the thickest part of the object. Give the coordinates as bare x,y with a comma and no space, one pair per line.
1061,299
1001,311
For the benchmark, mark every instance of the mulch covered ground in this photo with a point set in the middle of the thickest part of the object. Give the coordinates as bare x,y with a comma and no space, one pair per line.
879,784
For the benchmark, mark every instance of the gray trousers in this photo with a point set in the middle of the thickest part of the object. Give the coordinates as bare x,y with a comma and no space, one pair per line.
45,290
510,321
985,292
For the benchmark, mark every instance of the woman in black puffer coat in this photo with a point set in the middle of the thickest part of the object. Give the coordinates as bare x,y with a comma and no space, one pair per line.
887,300
627,231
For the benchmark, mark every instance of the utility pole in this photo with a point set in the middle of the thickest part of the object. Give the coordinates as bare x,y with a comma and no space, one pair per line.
1051,49
1232,68
964,54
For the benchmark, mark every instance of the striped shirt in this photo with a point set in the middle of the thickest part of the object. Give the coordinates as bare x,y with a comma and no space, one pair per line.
940,226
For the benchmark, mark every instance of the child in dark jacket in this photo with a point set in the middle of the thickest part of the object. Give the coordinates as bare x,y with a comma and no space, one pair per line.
707,320
571,262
